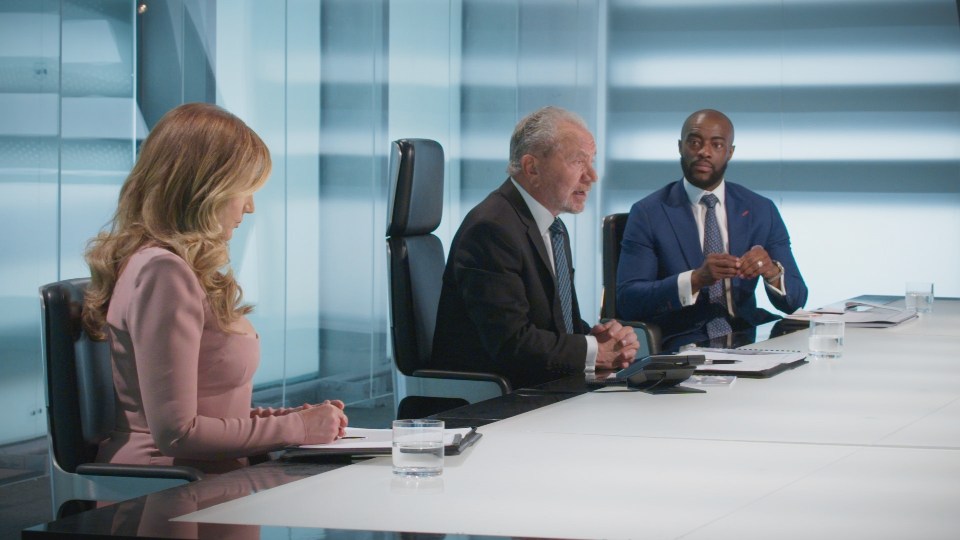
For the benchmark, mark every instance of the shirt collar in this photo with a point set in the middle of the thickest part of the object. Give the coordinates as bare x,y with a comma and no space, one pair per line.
541,215
694,193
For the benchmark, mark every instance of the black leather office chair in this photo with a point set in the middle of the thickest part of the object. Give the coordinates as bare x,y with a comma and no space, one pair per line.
612,235
80,411
416,264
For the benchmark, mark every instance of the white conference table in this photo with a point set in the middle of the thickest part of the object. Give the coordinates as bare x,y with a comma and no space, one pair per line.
866,445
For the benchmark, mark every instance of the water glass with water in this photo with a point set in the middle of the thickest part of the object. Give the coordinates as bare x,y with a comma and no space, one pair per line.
418,447
826,338
919,296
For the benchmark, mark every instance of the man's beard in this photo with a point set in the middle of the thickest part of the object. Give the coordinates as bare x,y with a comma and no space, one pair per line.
714,179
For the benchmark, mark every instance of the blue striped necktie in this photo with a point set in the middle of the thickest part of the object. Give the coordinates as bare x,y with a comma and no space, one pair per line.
562,268
713,243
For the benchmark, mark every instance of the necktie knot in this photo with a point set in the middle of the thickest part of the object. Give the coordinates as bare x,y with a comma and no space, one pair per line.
556,227
709,200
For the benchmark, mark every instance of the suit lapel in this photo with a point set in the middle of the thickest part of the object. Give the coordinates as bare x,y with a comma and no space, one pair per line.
677,209
513,196
548,279
738,221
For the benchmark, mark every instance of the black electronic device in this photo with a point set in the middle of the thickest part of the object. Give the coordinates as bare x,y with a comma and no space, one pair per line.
660,370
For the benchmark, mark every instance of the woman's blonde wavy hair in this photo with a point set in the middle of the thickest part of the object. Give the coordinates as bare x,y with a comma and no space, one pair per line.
195,160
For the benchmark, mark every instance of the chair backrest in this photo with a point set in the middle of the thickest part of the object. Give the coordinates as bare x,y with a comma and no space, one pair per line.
612,234
80,394
648,333
416,259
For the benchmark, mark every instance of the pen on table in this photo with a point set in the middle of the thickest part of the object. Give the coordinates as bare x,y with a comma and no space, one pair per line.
352,437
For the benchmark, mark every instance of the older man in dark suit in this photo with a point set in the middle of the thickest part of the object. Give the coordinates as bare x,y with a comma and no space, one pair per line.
508,304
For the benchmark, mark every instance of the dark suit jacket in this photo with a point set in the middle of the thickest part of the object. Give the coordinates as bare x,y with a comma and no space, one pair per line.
499,308
661,240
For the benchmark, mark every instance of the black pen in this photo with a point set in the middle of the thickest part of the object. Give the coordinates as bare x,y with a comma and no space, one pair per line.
352,437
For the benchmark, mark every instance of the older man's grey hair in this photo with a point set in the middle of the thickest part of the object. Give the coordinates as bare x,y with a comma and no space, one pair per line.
537,134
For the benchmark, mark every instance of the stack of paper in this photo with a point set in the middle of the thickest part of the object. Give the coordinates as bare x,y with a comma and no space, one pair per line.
859,315
746,362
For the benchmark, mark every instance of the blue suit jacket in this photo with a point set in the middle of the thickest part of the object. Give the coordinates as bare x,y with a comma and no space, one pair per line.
661,240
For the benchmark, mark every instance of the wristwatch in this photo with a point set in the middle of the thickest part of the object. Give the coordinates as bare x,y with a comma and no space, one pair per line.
780,266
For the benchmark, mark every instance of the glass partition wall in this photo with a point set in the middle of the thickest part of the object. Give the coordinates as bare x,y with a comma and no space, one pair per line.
309,77
68,131
29,198
847,115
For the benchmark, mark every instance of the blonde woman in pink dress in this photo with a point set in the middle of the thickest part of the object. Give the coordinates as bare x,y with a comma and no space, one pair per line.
163,295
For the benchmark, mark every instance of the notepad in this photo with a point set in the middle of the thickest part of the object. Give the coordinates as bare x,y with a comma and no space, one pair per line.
753,363
375,442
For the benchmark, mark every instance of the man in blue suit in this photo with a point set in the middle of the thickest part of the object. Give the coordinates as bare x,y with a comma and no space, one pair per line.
693,251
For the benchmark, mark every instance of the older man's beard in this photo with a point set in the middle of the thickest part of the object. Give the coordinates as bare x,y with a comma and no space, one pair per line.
715,177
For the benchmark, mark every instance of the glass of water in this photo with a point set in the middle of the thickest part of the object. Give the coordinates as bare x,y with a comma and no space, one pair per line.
826,338
919,296
418,447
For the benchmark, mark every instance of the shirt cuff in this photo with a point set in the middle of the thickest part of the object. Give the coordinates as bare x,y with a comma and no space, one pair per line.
684,285
780,288
590,364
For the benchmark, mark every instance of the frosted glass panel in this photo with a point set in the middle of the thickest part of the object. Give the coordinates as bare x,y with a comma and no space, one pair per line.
98,121
66,141
519,56
253,89
881,241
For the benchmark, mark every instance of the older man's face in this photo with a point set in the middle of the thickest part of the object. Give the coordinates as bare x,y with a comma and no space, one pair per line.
567,174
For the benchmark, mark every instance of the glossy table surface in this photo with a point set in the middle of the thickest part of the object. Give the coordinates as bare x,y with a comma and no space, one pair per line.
866,445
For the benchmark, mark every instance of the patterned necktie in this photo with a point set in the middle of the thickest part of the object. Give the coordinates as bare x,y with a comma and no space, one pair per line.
562,269
713,243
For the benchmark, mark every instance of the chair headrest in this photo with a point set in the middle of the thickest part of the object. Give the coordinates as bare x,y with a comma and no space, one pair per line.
416,187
